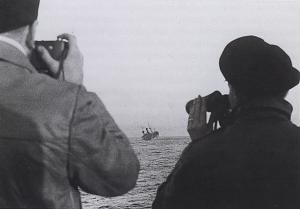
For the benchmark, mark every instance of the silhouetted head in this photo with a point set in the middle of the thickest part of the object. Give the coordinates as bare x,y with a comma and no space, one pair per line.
254,68
18,21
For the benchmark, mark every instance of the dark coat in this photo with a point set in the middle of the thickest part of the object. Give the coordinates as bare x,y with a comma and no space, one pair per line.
55,137
254,163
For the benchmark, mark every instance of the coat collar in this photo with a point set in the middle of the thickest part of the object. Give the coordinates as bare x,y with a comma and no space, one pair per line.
14,56
267,107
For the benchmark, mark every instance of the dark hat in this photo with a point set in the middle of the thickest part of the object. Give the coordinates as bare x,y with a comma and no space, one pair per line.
255,67
17,13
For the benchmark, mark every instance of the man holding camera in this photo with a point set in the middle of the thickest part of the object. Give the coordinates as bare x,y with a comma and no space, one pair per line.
253,160
55,137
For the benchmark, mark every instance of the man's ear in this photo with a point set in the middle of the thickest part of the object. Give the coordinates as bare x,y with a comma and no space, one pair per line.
31,35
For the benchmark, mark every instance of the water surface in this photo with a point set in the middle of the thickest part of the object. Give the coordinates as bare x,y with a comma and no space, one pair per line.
157,158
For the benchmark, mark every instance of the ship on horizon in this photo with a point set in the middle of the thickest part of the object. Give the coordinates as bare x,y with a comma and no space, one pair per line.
149,134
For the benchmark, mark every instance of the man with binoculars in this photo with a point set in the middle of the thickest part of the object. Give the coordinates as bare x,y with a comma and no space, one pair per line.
253,160
55,137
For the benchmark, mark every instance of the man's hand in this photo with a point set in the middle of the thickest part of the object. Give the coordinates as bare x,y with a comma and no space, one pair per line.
72,64
197,125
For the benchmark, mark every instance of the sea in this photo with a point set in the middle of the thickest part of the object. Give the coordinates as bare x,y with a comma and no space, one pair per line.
157,158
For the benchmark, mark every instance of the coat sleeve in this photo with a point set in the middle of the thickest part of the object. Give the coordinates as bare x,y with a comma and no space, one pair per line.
181,190
169,194
101,159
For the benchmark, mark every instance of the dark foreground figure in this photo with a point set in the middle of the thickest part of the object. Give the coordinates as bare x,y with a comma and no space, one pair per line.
55,137
253,161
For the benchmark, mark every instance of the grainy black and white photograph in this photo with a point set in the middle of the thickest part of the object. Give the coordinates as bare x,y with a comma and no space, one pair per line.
149,104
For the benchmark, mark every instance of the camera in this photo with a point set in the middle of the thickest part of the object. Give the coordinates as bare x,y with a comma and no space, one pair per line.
217,104
57,49
214,102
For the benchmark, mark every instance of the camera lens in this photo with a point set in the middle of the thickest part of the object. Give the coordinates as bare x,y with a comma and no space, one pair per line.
213,101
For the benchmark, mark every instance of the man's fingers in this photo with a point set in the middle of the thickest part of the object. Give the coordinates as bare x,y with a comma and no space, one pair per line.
197,107
202,111
197,118
70,38
67,36
52,63
192,109
194,120
191,115
73,63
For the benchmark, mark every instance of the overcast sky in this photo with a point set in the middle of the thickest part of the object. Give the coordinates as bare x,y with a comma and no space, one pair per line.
146,58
